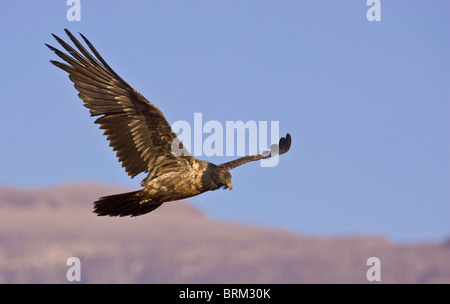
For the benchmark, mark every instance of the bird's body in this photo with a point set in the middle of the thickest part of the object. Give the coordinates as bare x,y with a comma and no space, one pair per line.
142,138
163,185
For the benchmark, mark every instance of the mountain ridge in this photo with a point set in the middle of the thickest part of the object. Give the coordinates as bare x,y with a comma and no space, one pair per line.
41,228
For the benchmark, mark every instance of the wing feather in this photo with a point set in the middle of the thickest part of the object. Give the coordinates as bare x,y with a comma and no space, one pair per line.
136,129
283,146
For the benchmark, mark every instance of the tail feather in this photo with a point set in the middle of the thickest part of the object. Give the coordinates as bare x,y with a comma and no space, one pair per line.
125,204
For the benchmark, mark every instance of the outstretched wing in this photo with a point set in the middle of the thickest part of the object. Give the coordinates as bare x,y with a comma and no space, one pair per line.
275,150
136,129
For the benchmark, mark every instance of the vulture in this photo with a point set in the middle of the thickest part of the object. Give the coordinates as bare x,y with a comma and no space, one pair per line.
142,138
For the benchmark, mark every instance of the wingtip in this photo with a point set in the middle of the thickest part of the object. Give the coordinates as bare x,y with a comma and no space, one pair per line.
57,38
285,144
68,33
51,47
85,39
288,139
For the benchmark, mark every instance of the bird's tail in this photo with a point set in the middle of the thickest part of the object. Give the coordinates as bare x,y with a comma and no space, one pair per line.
125,204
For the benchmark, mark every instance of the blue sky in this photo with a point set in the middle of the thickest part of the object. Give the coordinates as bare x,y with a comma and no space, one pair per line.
367,104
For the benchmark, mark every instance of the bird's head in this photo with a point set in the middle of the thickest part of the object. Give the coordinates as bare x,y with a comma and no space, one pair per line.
215,178
225,179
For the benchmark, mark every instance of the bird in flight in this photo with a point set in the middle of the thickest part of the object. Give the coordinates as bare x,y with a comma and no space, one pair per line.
142,138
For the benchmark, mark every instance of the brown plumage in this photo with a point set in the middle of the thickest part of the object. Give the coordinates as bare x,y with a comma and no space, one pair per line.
142,137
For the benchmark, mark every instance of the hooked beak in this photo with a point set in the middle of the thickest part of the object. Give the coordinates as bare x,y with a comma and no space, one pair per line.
229,185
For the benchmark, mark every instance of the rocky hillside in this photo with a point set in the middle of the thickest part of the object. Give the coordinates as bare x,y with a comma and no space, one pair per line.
41,228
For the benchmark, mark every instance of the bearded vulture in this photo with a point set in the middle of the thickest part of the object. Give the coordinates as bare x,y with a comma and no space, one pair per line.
142,137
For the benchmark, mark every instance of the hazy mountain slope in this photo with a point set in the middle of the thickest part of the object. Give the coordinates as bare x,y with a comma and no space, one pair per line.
40,229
